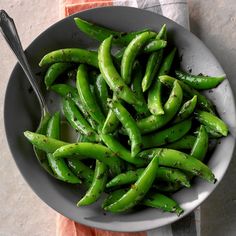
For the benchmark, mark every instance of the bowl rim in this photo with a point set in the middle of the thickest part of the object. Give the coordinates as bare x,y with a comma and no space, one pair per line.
107,226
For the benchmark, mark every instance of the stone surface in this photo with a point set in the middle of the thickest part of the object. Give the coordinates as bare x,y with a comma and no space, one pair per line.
21,211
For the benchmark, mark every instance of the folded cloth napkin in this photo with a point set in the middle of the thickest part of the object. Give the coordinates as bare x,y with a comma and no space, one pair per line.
177,10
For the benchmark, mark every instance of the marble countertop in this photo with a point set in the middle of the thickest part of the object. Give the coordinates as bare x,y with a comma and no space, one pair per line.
21,211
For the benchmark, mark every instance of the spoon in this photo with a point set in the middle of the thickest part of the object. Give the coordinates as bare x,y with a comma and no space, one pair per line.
11,36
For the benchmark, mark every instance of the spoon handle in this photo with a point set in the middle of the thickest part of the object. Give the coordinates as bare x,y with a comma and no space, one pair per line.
10,34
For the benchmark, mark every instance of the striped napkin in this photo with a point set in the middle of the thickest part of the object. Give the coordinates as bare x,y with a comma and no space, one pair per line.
176,10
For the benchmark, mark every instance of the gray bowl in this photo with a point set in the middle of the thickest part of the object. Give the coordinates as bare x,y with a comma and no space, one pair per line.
22,113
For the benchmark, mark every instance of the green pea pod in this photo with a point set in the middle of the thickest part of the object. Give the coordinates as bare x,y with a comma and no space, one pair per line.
113,78
166,136
100,33
154,45
97,187
212,133
158,200
171,107
137,191
179,160
86,95
54,71
162,34
77,121
59,167
199,81
162,173
154,94
111,123
131,52
113,197
129,124
66,90
186,110
75,55
44,143
154,61
114,145
101,91
136,85
41,155
200,146
91,150
202,101
213,122
185,142
81,170
153,64
167,187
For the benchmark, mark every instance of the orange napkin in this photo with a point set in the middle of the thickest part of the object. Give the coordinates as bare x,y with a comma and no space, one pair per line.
65,226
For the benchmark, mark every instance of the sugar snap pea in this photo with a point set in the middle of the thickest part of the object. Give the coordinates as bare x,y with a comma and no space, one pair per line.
131,52
212,133
97,187
156,200
86,95
153,64
76,55
202,101
137,191
167,187
186,110
69,91
114,145
136,84
200,146
101,91
154,45
111,123
162,202
179,160
113,78
213,122
185,142
162,173
43,142
154,94
129,124
41,155
166,136
59,167
77,121
54,71
171,107
199,81
113,197
91,150
100,33
81,170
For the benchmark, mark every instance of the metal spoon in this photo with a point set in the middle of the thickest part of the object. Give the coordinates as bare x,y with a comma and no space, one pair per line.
9,32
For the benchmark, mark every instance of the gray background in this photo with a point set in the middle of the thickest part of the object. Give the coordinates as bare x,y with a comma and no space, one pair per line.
21,211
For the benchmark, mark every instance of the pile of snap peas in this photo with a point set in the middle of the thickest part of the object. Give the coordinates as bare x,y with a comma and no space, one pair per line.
143,126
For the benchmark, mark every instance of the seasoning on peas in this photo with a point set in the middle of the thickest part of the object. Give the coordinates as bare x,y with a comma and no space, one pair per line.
115,145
